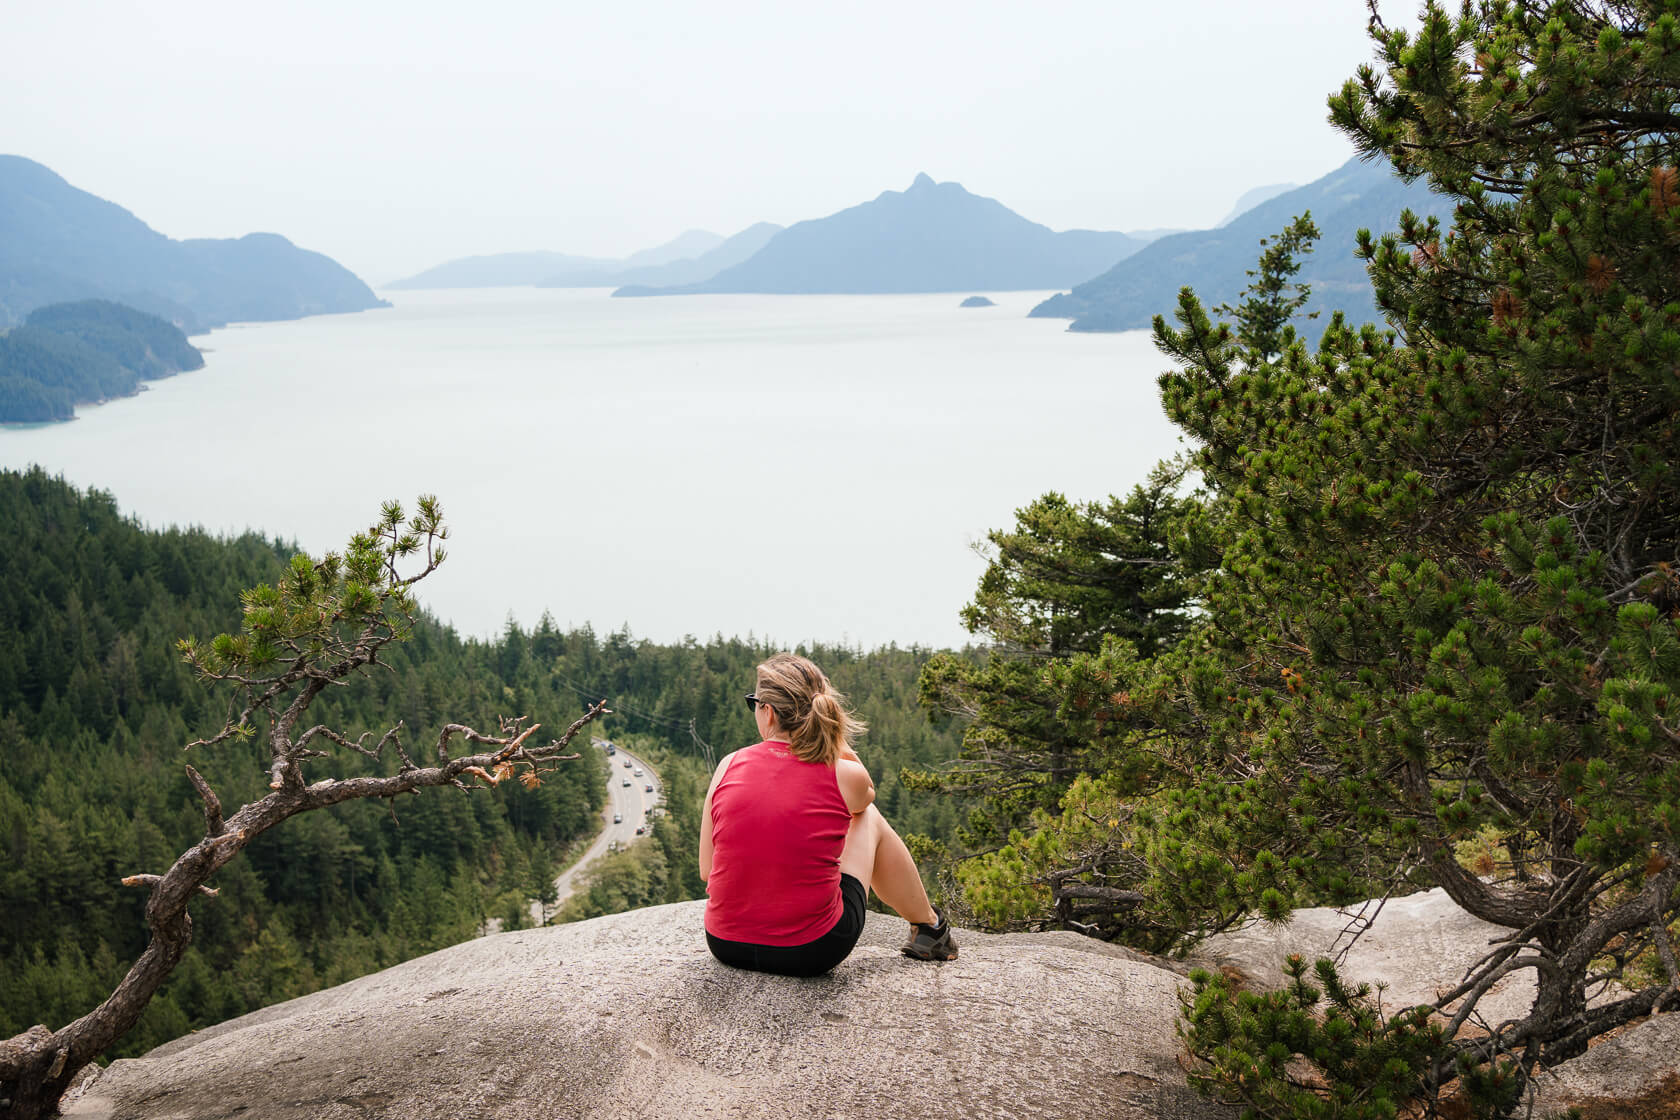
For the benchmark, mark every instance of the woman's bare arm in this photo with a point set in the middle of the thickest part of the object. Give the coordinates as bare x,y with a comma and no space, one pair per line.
706,819
856,786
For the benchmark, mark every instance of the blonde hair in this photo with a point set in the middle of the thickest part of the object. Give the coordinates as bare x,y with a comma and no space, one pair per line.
807,707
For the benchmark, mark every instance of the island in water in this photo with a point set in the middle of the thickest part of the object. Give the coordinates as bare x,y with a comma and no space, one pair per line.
85,352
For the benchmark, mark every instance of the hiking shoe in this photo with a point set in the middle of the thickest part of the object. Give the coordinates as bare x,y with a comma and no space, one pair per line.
925,945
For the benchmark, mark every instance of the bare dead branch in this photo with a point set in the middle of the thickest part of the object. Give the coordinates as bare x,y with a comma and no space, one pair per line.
154,880
213,825
1106,894
452,729
325,732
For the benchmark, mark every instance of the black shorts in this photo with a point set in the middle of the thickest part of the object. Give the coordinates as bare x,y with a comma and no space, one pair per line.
810,959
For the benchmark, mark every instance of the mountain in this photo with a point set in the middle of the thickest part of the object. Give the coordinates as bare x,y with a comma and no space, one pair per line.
504,270
685,246
689,271
60,244
1215,262
512,270
933,237
1252,198
1147,235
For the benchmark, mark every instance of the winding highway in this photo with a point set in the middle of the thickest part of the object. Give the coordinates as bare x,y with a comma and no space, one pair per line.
633,790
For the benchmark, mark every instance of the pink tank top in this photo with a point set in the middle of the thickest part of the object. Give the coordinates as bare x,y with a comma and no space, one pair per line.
778,825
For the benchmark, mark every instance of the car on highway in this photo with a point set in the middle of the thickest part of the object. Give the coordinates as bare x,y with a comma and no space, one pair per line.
648,787
638,771
627,783
641,829
628,764
618,818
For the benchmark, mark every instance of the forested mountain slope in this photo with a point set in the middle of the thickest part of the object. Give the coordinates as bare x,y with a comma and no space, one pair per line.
59,244
96,706
92,350
1215,262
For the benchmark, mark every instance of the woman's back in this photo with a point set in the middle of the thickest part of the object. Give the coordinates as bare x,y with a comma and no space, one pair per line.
778,827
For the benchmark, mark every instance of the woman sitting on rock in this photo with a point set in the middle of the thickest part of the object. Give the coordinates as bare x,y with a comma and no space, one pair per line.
791,841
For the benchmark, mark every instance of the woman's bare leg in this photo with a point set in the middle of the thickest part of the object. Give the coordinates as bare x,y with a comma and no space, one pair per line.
877,858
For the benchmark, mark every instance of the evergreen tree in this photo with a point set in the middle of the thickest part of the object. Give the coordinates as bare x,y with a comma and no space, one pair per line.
1442,597
1274,298
1448,603
1069,582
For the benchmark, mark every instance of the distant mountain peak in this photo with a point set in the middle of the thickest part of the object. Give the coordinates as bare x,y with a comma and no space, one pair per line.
930,237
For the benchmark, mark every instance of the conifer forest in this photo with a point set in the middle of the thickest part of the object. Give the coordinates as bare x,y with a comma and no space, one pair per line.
1403,615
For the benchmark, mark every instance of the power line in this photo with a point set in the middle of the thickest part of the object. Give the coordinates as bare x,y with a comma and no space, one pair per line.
711,762
621,709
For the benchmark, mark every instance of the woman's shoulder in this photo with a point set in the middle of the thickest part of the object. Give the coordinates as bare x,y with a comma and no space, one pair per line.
724,764
756,751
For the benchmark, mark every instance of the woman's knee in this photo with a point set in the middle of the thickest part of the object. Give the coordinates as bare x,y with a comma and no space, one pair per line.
865,829
879,829
863,837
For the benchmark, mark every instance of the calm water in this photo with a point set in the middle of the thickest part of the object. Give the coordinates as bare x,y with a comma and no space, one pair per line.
797,467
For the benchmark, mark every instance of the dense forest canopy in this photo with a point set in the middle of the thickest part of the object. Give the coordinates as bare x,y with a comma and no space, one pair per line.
92,350
95,707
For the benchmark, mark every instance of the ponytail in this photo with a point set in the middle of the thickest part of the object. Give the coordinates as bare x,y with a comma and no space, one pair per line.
808,708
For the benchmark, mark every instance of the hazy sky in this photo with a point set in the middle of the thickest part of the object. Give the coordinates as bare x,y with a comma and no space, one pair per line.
393,136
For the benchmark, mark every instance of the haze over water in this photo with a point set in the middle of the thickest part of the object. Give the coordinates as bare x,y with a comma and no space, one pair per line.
798,467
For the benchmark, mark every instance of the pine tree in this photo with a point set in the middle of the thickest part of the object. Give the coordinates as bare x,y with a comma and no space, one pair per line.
1067,576
1441,597
1273,298
1449,597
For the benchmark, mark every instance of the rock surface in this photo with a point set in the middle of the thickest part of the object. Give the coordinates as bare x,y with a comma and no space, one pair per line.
1420,945
1634,1074
629,1015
